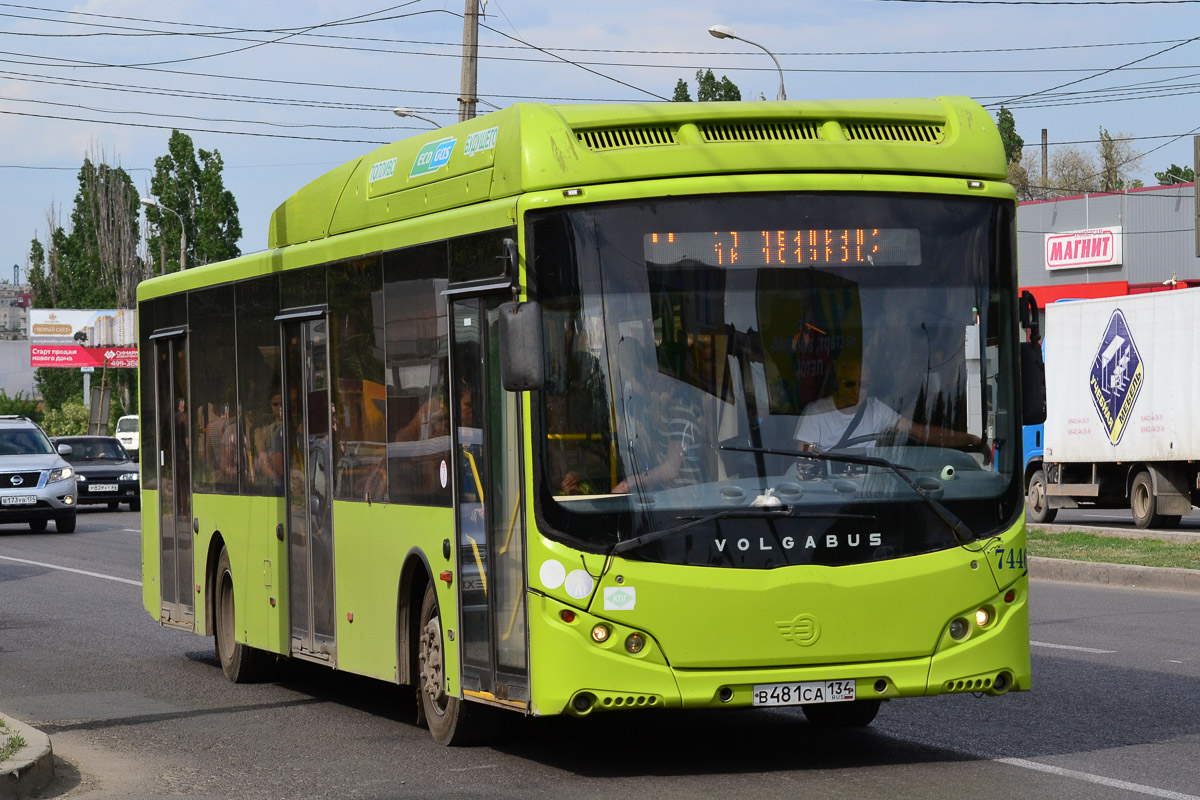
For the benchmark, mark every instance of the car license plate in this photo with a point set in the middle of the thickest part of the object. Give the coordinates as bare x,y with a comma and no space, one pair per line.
19,500
102,487
805,693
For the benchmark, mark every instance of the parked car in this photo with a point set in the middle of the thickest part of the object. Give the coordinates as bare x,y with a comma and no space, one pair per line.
36,484
129,436
104,471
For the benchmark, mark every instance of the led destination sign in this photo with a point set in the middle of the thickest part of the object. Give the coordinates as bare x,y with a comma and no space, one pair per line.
819,247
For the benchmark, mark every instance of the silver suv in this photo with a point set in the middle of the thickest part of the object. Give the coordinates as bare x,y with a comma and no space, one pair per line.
36,484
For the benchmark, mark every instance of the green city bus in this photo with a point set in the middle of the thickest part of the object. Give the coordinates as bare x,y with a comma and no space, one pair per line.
514,413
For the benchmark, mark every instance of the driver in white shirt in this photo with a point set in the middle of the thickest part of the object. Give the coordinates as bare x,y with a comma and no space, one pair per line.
851,418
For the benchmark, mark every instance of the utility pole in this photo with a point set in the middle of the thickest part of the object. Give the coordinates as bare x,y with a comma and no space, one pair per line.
470,62
1045,158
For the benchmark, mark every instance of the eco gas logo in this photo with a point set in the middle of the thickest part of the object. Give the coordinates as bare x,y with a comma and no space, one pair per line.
1117,376
433,157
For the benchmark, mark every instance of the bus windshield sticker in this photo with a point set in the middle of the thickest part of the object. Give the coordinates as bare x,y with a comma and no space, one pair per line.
479,141
823,247
381,170
433,157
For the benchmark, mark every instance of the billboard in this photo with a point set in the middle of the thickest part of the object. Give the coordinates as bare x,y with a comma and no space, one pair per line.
61,337
1098,247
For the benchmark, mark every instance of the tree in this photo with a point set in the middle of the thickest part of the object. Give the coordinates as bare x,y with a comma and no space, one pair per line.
92,264
1117,162
1013,144
195,190
1175,174
708,88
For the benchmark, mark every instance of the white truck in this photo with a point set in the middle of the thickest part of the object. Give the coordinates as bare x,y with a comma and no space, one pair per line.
1122,407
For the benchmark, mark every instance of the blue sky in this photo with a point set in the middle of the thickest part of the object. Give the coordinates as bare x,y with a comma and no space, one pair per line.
284,95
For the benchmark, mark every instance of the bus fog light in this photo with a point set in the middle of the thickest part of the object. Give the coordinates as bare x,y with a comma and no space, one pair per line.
958,628
634,642
600,634
983,617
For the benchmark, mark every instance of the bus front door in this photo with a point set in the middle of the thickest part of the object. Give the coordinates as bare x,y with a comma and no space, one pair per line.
489,508
308,484
174,479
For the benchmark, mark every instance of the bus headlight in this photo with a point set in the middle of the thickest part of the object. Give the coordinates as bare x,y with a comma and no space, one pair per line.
600,633
634,643
958,629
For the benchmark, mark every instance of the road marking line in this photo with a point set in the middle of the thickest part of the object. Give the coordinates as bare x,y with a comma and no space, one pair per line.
1071,647
76,571
1112,783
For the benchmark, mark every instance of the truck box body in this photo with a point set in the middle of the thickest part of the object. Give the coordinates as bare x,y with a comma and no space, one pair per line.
1120,386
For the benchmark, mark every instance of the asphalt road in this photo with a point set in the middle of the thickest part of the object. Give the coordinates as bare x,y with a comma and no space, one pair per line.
135,710
1117,519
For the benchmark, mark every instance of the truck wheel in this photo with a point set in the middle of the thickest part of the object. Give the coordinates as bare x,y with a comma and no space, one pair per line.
1039,506
1142,502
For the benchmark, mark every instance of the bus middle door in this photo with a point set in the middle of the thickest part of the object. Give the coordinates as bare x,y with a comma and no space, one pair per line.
488,492
308,486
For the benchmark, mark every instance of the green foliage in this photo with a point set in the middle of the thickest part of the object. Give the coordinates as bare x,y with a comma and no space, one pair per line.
22,404
1013,143
59,386
708,88
195,190
1175,174
69,420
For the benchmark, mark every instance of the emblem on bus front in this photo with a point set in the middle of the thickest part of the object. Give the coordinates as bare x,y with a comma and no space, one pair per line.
1116,377
803,630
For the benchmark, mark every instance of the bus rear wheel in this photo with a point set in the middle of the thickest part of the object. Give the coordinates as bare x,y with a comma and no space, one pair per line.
452,721
240,663
856,714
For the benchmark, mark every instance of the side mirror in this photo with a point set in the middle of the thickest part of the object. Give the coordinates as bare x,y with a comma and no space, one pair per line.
1033,384
521,350
65,450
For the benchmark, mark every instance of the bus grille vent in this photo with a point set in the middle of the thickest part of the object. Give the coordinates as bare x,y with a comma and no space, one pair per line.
761,132
614,138
894,132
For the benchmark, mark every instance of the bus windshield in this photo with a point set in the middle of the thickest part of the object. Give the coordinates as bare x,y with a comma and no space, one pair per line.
760,380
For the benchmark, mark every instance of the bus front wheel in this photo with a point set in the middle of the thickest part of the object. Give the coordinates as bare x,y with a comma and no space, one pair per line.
240,663
452,721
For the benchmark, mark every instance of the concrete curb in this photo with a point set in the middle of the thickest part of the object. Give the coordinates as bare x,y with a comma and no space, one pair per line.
31,768
1126,575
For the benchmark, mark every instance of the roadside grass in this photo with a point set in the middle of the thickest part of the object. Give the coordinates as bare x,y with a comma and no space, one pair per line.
1145,552
10,741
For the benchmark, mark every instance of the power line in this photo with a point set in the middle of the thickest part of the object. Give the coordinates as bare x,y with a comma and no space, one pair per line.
195,130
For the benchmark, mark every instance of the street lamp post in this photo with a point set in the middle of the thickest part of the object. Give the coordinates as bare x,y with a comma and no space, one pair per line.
405,112
725,32
150,202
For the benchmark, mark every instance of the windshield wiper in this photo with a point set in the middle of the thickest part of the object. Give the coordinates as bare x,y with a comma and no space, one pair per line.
957,527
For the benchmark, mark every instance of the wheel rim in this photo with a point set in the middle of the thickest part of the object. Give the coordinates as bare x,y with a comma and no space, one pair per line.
432,668
1141,500
1037,498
